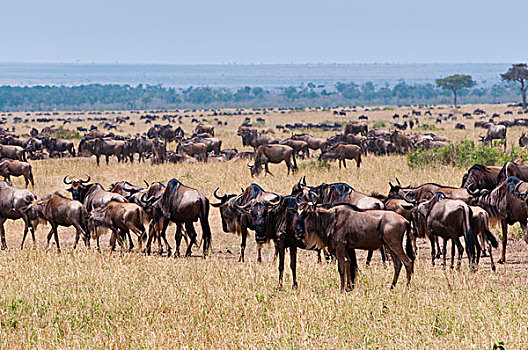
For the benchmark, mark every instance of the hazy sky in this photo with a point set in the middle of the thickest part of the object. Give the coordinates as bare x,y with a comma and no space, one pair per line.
266,31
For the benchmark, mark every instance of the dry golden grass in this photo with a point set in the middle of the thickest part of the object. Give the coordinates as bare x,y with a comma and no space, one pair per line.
83,299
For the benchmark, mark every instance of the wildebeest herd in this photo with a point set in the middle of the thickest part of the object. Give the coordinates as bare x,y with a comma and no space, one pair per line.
331,218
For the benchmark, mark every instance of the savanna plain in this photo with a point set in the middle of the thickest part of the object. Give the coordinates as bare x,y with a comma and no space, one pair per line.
118,300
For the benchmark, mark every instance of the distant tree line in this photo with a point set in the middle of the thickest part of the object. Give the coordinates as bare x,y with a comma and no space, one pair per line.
98,97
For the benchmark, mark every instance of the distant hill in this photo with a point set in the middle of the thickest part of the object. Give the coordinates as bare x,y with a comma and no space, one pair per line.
268,76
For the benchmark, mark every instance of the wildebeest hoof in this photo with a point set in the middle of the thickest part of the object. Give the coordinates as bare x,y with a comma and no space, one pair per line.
493,268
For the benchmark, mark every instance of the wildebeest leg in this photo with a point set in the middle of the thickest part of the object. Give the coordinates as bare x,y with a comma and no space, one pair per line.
319,258
460,247
525,232
479,249
163,235
56,235
77,235
437,241
369,256
342,266
397,267
504,225
444,251
452,254
178,238
259,252
344,163
433,251
151,234
267,169
97,156
383,255
243,245
25,234
293,265
491,258
130,242
50,234
189,227
107,158
281,249
2,233
7,179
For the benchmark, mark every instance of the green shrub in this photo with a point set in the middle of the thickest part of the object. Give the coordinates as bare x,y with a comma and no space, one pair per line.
464,154
62,133
379,125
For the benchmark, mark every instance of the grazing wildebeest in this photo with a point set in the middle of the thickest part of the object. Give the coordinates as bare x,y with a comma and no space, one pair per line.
273,154
495,132
120,218
342,152
183,205
57,146
60,211
481,177
460,126
343,228
10,168
503,203
204,128
450,219
13,152
13,205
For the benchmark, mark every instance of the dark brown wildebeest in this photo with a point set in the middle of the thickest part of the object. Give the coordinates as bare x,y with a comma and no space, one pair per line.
356,128
523,140
13,152
460,126
255,139
10,168
480,228
343,228
57,146
86,146
503,203
299,146
481,177
450,219
401,142
91,195
109,147
236,213
13,205
60,211
495,132
342,152
427,191
274,154
512,169
182,205
120,218
204,128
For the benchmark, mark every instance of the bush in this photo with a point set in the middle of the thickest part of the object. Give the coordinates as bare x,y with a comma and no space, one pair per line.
62,133
464,154
378,125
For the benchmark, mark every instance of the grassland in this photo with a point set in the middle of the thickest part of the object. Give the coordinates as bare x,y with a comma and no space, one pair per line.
84,299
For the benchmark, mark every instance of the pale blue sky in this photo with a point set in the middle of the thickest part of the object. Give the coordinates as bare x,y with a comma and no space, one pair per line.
270,31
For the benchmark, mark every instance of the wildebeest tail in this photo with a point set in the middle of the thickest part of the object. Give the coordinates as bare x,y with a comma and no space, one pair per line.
31,175
491,238
84,221
408,244
204,221
353,264
470,243
294,161
144,219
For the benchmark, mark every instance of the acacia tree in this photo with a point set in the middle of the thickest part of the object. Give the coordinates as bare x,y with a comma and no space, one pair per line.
519,73
455,83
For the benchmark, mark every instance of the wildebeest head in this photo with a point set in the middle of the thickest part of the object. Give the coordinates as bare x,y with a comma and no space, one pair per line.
228,212
78,188
257,211
256,169
305,210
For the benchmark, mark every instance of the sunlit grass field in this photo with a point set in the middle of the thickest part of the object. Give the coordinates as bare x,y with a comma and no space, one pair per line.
86,299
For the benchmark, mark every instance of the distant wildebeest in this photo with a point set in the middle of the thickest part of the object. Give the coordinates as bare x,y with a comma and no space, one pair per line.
523,140
10,168
356,128
460,126
495,132
273,154
342,152
57,146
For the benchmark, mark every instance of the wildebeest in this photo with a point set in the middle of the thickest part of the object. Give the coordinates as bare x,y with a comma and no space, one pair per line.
504,204
343,228
10,168
495,132
120,218
356,128
401,142
246,211
108,147
523,140
255,139
183,205
342,152
481,177
57,146
314,143
91,195
512,169
273,154
13,205
60,211
427,191
13,152
450,219
299,146
204,128
193,149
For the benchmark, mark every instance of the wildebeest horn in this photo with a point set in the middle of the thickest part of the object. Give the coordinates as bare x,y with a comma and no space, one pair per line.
146,183
128,189
474,193
278,199
245,206
65,180
85,181
217,196
399,183
304,180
